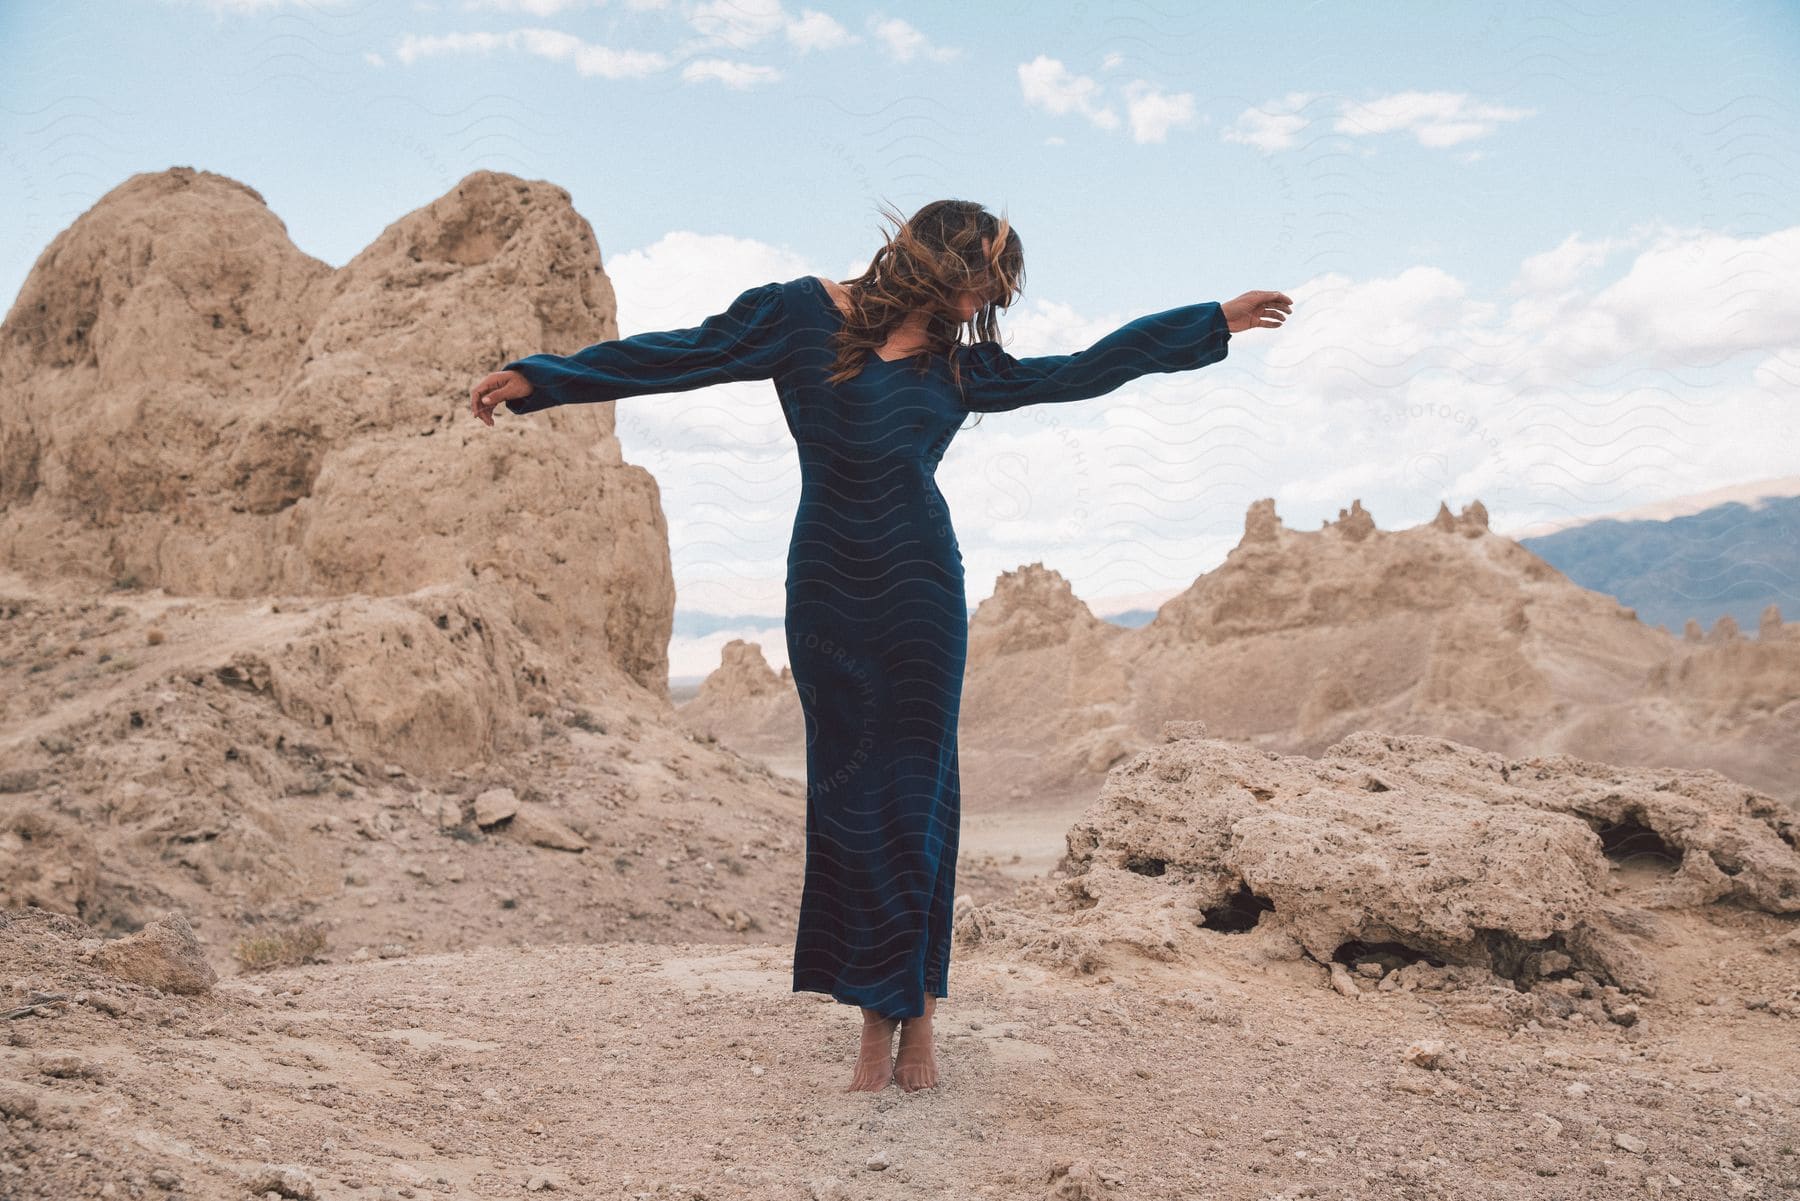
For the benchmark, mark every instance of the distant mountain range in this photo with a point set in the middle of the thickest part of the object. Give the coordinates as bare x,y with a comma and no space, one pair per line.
1735,557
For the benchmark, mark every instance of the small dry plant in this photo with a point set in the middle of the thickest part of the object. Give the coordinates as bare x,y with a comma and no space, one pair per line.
280,948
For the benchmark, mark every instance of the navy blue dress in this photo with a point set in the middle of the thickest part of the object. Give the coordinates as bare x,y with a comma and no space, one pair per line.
877,620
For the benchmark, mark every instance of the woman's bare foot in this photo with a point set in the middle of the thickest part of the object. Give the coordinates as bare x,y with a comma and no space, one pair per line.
874,1059
916,1065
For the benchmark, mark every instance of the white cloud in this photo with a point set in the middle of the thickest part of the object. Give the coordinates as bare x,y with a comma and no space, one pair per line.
588,58
905,43
1691,297
731,74
536,8
739,24
1153,112
1273,125
1579,393
813,30
1049,85
1556,269
415,46
1437,120
251,7
720,24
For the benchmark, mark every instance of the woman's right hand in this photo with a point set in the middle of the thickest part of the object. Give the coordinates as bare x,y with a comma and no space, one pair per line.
491,389
1257,310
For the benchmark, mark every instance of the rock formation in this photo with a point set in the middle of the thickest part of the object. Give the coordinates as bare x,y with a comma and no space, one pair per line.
748,704
216,413
275,609
1299,638
1396,851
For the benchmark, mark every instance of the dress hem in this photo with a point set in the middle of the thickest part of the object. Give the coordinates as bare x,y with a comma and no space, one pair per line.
853,997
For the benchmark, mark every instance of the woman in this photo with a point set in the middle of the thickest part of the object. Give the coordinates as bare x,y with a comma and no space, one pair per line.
874,380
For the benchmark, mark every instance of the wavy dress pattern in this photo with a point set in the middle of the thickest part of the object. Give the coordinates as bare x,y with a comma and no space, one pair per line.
877,617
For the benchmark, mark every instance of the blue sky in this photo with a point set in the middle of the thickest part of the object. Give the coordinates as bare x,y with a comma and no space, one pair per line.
1541,254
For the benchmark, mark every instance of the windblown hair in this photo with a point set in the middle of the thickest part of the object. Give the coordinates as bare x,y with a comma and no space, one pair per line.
924,264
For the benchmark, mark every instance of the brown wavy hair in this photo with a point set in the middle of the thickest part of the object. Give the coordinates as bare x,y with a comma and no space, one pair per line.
924,264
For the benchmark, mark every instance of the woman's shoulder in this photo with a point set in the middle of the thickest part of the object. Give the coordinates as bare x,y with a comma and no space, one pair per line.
838,294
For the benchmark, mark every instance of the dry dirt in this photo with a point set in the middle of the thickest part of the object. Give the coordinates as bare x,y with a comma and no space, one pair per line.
688,1071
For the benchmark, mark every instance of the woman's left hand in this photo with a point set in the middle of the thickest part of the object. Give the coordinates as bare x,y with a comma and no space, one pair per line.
1257,310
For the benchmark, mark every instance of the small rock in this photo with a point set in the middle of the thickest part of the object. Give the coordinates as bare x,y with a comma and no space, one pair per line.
495,806
164,1179
16,1102
1578,1090
733,918
877,1162
1074,1181
1631,1143
1412,1080
1427,1053
283,1180
1342,981
68,1066
107,1003
164,954
535,825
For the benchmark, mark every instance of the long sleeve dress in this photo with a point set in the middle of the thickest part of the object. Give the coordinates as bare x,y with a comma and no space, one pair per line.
877,620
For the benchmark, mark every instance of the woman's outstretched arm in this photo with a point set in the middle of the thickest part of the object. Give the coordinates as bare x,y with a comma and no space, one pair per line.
1179,339
747,341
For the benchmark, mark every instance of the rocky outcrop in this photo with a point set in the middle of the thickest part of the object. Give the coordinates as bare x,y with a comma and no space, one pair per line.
164,954
1300,638
1396,850
743,676
217,413
1031,608
274,606
748,705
